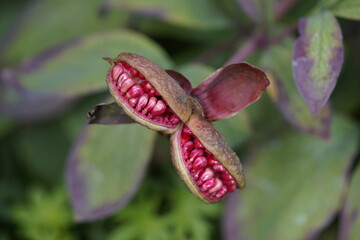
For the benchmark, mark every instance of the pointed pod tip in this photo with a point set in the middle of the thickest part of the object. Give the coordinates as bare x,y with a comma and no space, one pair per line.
109,60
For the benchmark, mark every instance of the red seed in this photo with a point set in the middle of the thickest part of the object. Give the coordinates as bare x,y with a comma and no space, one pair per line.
217,186
116,71
151,104
186,131
231,188
159,108
126,85
135,91
198,144
143,100
219,168
134,72
133,101
146,86
188,165
226,176
188,146
174,119
230,182
195,153
200,162
141,76
207,185
206,175
151,93
212,160
196,174
125,64
223,190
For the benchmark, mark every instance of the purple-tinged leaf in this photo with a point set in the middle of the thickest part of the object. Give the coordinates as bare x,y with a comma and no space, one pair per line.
350,214
318,57
349,9
181,79
296,183
277,64
108,113
106,167
228,90
47,82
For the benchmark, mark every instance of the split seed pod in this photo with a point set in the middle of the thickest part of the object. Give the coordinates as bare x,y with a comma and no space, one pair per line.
204,160
147,93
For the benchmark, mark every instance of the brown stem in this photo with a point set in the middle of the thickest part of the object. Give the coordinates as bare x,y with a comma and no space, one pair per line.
249,47
258,41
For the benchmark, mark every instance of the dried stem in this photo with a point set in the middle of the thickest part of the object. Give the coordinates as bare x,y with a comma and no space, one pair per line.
248,48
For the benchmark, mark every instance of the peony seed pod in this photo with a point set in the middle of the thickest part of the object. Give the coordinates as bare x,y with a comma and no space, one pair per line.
147,93
204,160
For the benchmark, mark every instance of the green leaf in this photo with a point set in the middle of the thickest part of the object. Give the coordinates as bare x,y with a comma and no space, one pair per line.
317,59
200,14
80,69
47,23
350,216
51,82
295,185
42,149
349,9
106,168
283,91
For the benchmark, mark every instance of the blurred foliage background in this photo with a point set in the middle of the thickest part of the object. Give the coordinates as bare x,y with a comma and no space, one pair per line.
302,170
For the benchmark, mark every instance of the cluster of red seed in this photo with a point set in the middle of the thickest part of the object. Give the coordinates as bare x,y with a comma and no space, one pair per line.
209,175
140,95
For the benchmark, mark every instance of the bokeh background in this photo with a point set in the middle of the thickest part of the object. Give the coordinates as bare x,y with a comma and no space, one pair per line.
302,170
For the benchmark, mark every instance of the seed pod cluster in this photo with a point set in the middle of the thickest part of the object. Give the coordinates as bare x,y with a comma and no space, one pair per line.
163,101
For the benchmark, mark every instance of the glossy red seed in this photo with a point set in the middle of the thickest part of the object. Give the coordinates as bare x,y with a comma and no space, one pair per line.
159,108
212,160
116,71
122,78
218,184
125,64
227,176
188,146
135,91
198,144
196,174
126,84
206,175
174,119
219,168
141,76
230,182
223,190
133,101
151,103
133,72
208,185
187,131
146,86
231,188
200,162
195,153
143,100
